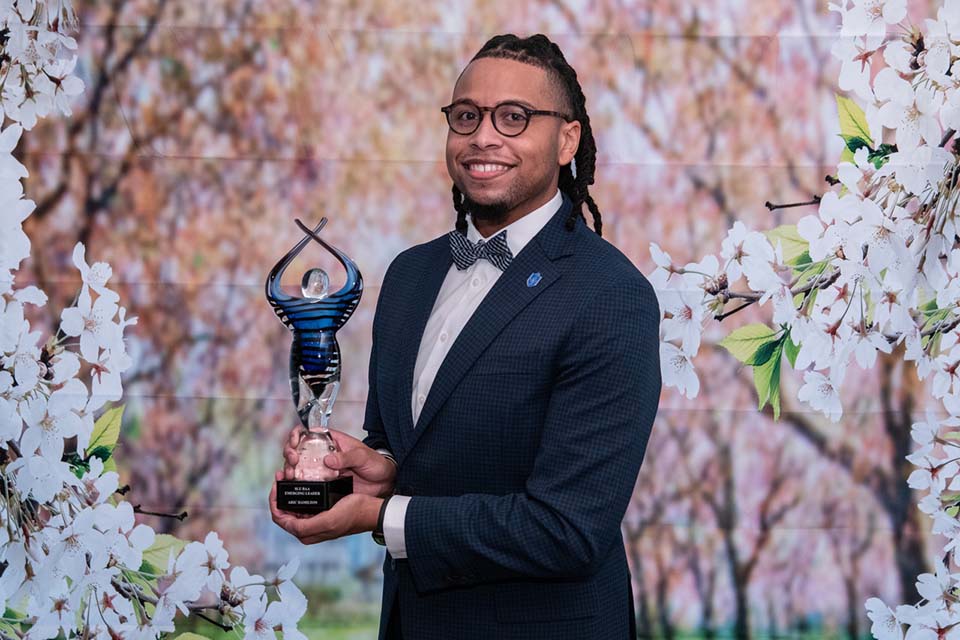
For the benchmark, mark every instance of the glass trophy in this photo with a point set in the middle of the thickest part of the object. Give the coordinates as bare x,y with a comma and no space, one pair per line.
314,318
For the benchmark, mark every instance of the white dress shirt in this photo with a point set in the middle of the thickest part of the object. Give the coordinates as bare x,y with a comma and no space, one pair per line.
459,296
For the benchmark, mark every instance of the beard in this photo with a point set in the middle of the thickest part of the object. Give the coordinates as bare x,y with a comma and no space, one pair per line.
496,212
493,212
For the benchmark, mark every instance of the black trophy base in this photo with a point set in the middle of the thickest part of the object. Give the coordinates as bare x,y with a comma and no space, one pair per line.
311,497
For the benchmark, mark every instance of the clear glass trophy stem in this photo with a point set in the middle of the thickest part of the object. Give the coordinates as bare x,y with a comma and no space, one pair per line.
317,442
315,412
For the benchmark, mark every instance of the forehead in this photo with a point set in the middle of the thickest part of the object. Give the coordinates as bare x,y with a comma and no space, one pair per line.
487,81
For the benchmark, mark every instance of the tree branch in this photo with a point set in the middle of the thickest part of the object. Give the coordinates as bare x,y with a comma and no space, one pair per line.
769,205
176,516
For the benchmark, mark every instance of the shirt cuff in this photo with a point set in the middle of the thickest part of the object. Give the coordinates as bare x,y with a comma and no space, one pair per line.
387,454
393,519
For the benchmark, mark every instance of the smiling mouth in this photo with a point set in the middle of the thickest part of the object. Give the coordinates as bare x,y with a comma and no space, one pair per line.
486,171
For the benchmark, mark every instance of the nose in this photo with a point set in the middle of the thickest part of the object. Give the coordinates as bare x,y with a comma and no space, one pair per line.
486,134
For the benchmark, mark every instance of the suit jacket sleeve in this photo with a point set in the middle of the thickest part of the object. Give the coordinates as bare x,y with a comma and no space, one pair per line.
598,421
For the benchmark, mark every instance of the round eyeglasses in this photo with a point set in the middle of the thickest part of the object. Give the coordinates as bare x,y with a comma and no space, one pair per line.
509,118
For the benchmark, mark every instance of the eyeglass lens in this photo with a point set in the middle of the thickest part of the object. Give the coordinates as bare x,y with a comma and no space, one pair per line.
509,119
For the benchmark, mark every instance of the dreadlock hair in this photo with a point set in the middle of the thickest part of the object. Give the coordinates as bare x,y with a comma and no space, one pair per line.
539,51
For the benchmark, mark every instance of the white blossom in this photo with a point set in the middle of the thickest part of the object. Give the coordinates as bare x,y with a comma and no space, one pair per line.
911,112
677,370
885,624
821,392
94,276
742,244
873,16
93,323
683,317
51,420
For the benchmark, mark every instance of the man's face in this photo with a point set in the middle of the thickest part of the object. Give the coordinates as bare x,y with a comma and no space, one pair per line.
532,159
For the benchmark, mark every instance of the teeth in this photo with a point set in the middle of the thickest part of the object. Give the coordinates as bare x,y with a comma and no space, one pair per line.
487,167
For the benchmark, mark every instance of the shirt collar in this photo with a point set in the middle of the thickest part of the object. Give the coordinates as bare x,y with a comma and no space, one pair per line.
520,232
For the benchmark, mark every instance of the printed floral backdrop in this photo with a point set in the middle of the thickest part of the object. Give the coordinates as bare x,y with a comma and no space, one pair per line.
206,127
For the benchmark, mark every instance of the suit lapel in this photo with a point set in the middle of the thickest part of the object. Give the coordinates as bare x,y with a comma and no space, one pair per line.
508,296
433,270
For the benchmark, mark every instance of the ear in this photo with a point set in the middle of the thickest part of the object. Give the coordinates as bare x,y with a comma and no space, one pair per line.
569,136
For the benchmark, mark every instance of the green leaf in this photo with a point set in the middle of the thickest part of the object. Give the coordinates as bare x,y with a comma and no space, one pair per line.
855,143
13,614
766,379
147,567
936,317
78,465
845,156
791,350
744,342
812,270
10,630
802,261
929,306
851,144
191,636
158,554
853,122
763,353
106,431
106,456
792,242
881,154
935,338
100,451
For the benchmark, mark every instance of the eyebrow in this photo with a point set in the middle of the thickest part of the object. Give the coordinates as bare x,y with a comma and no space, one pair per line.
510,100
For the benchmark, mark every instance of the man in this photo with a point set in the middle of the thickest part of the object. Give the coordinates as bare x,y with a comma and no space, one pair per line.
514,378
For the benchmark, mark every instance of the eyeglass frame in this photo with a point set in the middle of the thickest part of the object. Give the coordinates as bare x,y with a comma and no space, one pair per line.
527,110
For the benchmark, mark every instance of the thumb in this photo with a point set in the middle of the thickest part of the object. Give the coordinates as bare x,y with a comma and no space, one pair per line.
341,459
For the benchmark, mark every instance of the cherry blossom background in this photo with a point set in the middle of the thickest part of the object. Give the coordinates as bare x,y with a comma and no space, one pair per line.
205,128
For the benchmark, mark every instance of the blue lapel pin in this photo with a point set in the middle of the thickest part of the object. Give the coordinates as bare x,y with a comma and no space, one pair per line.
534,279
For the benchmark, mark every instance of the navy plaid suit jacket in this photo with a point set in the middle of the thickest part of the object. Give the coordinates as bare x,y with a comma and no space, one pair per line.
527,449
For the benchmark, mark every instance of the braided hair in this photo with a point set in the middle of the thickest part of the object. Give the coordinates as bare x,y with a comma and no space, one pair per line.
539,51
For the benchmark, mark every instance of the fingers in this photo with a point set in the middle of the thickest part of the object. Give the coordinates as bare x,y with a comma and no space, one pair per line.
290,456
290,465
293,438
289,469
309,529
278,516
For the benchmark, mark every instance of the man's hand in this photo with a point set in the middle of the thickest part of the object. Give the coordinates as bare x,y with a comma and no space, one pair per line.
351,514
373,474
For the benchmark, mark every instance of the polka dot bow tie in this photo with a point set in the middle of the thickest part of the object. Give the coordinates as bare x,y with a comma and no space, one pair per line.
465,252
